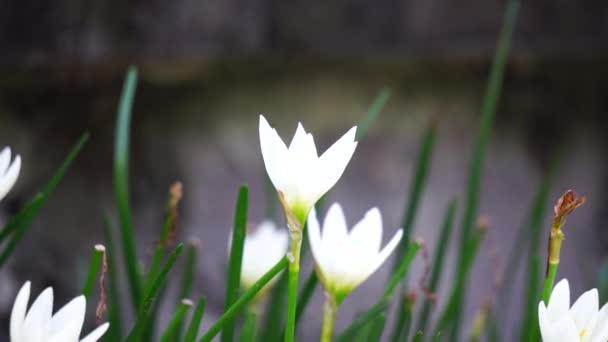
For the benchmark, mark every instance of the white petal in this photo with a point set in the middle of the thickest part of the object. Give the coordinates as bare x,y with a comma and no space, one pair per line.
70,318
274,153
585,309
559,303
303,145
366,235
314,238
37,324
564,331
335,231
19,310
333,162
97,333
387,250
561,330
5,159
8,180
544,322
263,249
600,330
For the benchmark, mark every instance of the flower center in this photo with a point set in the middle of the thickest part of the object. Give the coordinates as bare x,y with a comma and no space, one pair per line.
582,333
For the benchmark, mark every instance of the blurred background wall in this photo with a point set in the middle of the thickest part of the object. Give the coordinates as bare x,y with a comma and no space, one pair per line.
209,68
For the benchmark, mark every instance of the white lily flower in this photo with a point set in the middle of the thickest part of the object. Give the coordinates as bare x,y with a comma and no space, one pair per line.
297,172
344,260
38,324
263,248
583,322
9,172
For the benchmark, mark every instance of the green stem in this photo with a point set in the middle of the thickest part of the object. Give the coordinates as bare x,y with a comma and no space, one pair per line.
330,309
294,271
549,281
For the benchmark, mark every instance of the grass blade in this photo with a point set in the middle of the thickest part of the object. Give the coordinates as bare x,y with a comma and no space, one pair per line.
150,298
94,267
420,176
449,315
195,322
438,262
19,224
121,184
372,113
248,330
247,297
275,311
375,333
488,111
15,221
115,308
236,259
187,279
176,321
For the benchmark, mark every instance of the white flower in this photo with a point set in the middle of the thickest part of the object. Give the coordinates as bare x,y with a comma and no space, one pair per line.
263,248
38,324
344,260
9,172
584,321
297,172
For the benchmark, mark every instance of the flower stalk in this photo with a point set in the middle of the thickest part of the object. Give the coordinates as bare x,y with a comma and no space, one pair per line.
295,233
566,204
330,310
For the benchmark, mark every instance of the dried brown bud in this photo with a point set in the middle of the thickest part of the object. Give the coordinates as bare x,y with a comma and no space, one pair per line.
483,223
410,299
176,191
567,203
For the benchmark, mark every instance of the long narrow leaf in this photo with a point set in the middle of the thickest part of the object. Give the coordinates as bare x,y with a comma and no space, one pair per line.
150,298
115,308
195,322
236,259
94,267
21,222
438,262
176,321
371,115
121,184
488,112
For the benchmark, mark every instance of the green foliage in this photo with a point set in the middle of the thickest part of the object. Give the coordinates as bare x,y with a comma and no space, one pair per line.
438,263
94,266
147,282
243,300
121,185
488,112
195,322
236,259
18,224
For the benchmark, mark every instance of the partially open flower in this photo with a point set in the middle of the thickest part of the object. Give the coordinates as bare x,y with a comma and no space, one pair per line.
297,172
9,172
263,248
344,260
38,324
583,322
